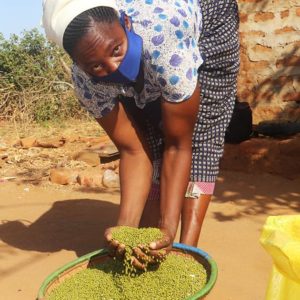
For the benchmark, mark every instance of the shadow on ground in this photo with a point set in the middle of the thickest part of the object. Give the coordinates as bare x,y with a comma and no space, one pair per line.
76,225
263,194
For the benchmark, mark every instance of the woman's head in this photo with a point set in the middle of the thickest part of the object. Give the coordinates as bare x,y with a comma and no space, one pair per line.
100,41
89,31
96,41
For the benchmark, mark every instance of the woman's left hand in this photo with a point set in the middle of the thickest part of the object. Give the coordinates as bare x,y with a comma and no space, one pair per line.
155,252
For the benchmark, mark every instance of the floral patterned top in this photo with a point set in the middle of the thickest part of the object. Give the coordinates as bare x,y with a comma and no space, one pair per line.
170,30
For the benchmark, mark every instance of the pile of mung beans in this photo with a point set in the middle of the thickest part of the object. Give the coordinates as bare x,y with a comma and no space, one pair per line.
177,277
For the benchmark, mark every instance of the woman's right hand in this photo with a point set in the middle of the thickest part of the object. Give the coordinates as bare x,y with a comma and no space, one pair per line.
142,255
115,249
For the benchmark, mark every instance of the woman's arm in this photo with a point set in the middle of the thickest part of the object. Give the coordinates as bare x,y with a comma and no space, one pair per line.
178,126
135,164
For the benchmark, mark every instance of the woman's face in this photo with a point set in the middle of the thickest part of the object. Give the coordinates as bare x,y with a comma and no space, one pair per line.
100,51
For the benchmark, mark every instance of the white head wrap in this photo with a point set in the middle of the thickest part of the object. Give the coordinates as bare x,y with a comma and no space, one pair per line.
58,14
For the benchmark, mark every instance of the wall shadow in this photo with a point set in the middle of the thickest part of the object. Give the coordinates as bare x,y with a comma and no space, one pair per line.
75,225
272,86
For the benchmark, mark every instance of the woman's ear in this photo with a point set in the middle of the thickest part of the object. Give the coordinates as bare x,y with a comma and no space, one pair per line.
127,22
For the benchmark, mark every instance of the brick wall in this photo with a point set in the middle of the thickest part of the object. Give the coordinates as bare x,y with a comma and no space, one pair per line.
270,58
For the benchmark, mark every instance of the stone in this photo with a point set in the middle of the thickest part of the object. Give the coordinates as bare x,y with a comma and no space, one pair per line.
113,165
94,140
3,146
3,155
90,157
96,146
28,142
71,138
91,177
63,176
110,179
51,142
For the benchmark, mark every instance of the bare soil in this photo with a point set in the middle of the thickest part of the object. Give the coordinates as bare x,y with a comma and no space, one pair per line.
45,225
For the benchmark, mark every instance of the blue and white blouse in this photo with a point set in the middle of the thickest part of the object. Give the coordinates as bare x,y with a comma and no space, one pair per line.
170,30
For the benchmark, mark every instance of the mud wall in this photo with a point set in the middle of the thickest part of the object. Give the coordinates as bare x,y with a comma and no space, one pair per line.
270,58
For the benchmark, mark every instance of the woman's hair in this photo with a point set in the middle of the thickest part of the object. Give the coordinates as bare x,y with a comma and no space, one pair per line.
85,21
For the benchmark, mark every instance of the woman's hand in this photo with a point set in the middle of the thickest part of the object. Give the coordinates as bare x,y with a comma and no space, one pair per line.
142,255
160,248
153,253
115,249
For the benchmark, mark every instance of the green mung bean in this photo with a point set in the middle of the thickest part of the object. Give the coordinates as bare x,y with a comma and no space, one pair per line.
177,277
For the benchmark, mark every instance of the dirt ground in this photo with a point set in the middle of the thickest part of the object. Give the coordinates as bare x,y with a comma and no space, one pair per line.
44,225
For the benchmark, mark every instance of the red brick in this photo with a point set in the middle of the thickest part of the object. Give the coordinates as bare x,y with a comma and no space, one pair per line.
243,17
51,142
288,61
266,113
283,80
263,16
94,140
113,165
91,177
286,29
255,33
292,113
264,49
245,62
28,142
251,1
261,64
284,14
63,176
291,97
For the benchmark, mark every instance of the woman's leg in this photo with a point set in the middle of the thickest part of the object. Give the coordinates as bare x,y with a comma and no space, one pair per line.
198,197
219,45
193,214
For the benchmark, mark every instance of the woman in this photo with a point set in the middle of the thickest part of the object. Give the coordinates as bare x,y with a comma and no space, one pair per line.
160,78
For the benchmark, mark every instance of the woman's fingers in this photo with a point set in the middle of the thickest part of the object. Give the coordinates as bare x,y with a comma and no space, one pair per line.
116,249
158,255
120,251
108,235
137,264
146,256
112,247
140,255
165,242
